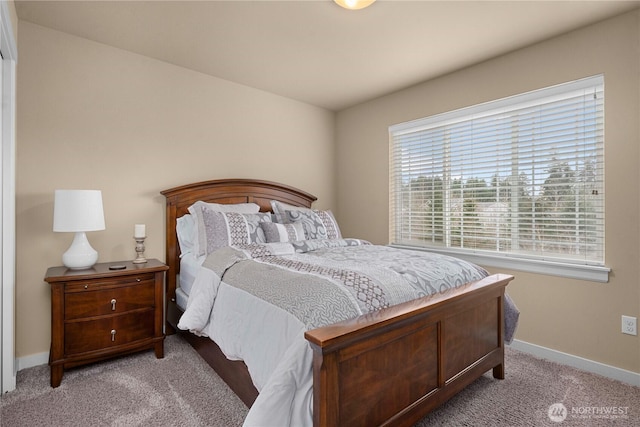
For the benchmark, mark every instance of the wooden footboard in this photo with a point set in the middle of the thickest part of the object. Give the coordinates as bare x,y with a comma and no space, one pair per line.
393,366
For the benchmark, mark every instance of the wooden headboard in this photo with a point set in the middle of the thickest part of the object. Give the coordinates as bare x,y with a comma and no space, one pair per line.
225,191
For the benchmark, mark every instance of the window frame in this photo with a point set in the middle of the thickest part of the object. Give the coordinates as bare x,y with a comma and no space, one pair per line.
577,269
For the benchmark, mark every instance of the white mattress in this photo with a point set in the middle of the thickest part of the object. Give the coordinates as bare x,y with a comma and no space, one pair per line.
189,266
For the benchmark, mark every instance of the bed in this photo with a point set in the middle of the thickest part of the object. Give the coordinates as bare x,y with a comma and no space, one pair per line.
388,367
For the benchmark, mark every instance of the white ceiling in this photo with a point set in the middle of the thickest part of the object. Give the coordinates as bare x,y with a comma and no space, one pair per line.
313,50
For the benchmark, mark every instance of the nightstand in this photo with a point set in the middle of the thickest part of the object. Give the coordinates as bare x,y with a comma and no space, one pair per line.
100,313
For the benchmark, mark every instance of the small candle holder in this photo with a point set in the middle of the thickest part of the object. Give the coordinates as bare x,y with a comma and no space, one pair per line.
140,259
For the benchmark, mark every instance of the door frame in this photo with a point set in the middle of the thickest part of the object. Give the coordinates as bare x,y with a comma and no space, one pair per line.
8,368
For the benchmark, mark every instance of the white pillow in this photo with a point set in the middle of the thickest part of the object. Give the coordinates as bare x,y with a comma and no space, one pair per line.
219,207
186,231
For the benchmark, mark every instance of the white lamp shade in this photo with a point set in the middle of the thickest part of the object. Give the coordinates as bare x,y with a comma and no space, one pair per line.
78,210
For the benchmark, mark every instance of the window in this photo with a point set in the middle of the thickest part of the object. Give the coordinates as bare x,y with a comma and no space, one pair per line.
520,179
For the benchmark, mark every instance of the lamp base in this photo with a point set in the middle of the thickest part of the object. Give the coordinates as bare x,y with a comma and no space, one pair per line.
80,254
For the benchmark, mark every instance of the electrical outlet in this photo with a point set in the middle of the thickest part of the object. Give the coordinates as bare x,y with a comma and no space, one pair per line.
629,325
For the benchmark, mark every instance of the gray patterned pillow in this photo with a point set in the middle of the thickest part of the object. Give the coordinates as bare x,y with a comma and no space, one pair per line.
316,224
280,210
220,229
193,240
275,233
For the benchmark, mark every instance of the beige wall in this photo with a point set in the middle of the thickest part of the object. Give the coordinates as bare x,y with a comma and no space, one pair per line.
13,16
92,116
572,316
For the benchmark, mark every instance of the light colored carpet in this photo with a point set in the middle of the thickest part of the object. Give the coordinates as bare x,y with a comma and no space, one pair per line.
137,390
181,390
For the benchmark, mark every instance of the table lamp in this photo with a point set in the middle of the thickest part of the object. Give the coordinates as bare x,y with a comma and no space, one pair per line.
78,211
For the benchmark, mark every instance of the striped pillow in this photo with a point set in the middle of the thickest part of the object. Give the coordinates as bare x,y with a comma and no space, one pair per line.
275,233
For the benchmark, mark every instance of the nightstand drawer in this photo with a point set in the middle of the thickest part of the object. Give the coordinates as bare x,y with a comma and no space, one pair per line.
83,336
106,283
87,303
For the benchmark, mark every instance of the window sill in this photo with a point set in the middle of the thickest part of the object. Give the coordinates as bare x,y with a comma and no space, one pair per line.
590,273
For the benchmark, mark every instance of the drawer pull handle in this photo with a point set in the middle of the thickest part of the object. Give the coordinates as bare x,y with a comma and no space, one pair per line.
113,335
113,304
86,286
138,279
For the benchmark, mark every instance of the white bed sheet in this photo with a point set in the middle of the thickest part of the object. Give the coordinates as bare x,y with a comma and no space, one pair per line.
277,355
181,299
189,267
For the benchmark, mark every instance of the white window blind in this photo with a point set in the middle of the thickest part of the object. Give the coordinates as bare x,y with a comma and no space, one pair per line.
519,177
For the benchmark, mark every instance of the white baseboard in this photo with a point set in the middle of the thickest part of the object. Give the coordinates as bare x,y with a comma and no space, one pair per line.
32,360
608,371
578,362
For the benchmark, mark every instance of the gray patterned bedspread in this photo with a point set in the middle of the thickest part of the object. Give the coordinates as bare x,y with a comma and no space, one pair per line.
343,278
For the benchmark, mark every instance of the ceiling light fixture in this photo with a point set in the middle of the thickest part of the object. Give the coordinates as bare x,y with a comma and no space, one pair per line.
354,4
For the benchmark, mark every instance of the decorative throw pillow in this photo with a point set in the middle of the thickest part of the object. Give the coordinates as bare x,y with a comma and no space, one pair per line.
220,229
280,210
316,224
275,233
193,240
